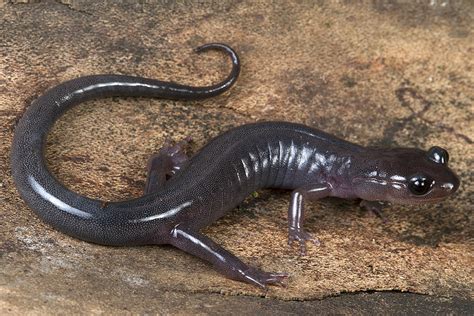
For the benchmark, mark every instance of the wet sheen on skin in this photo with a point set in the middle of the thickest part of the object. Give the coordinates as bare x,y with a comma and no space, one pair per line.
184,195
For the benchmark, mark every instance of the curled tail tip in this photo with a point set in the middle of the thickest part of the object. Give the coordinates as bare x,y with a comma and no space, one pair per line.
230,80
218,46
213,45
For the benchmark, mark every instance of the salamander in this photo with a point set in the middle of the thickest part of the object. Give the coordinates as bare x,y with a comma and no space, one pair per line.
185,194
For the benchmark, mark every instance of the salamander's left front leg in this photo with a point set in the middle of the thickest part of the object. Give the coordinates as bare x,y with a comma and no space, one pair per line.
296,212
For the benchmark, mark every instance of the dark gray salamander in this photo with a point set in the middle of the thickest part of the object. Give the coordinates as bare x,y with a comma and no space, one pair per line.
202,189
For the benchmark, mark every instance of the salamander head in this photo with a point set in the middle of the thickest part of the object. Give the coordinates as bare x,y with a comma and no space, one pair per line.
405,176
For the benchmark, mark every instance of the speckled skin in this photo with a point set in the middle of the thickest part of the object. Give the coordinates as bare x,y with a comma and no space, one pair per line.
284,155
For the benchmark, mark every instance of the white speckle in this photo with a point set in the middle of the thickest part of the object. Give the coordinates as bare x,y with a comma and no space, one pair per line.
53,262
54,255
134,280
31,242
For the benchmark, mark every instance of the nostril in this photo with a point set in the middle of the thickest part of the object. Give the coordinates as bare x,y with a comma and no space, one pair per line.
447,186
451,186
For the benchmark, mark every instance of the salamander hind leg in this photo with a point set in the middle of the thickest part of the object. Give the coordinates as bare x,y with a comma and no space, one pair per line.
165,163
299,196
225,262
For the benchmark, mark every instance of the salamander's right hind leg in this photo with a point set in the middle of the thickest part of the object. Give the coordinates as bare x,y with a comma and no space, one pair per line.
225,262
165,163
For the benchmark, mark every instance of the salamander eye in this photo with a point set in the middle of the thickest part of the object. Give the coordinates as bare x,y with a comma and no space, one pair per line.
420,184
438,155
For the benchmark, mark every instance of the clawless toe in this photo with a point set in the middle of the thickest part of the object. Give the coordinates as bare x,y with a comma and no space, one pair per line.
302,237
263,279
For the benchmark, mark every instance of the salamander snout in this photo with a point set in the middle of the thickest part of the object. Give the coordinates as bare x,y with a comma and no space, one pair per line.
450,187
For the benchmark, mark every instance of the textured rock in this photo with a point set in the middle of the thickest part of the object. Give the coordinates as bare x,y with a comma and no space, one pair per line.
387,74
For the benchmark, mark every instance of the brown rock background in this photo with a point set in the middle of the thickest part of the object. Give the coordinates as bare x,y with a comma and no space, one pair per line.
391,73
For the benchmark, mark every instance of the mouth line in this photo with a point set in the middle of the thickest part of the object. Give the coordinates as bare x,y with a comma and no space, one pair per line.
414,200
434,199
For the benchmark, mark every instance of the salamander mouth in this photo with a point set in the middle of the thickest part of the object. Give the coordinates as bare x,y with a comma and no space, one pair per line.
420,200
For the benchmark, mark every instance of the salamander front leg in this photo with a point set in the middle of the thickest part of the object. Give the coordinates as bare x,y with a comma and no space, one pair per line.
164,164
225,262
375,207
296,212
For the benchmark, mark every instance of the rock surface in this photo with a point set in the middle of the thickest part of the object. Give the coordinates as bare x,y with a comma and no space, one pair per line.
385,74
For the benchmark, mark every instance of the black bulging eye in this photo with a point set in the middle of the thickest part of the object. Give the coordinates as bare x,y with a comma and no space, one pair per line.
438,155
420,184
